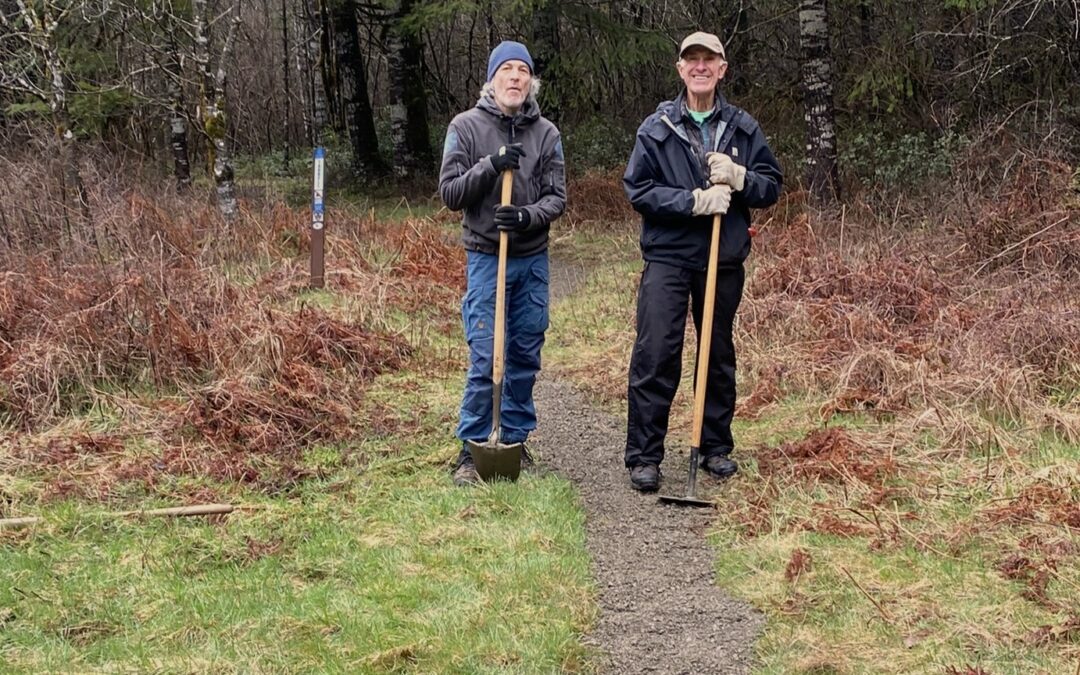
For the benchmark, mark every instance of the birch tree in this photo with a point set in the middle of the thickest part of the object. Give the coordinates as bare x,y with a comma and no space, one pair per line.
821,169
213,108
307,27
178,121
37,70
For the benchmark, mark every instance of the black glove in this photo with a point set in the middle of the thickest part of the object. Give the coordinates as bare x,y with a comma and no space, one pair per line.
507,157
511,218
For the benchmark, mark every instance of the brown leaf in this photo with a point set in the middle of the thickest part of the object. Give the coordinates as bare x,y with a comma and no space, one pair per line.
800,562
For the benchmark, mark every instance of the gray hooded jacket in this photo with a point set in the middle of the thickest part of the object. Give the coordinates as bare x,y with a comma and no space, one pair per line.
468,182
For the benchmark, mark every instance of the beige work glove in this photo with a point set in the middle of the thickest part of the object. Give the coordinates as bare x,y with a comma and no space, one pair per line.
724,171
714,199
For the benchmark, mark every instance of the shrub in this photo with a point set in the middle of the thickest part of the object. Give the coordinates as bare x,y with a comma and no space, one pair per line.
888,163
597,143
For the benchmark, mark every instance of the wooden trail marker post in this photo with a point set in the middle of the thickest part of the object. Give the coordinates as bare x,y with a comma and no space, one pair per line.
318,234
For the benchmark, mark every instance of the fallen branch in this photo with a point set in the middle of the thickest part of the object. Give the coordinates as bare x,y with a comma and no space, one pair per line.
173,511
868,596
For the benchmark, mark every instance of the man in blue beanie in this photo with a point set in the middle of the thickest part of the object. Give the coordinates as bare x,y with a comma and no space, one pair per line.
503,131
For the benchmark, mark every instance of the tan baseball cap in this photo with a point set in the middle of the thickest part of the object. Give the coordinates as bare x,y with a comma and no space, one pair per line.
706,40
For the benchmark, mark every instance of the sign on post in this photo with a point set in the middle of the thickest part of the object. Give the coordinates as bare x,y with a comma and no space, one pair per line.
318,235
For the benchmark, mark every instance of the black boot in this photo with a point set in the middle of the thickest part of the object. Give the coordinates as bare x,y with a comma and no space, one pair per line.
720,466
645,477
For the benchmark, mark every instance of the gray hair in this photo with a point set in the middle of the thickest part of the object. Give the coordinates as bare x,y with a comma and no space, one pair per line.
534,89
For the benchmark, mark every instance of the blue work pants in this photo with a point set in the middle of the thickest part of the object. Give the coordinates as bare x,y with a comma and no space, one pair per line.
526,321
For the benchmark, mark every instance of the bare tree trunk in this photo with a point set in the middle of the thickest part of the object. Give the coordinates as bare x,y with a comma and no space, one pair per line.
214,119
352,72
178,125
309,66
303,69
821,169
74,186
41,37
545,55
408,99
328,66
288,94
320,107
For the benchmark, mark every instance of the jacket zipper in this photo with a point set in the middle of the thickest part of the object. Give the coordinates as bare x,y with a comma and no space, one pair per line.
689,146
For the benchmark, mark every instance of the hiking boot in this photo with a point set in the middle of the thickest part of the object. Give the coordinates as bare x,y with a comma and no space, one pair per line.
720,466
465,473
645,478
527,461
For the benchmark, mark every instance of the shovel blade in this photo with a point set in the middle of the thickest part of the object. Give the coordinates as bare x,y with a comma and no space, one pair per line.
497,461
686,501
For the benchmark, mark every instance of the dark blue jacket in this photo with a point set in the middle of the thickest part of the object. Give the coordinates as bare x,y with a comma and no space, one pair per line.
665,168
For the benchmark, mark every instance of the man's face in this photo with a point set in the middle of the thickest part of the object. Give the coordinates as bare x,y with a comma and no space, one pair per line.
701,70
511,82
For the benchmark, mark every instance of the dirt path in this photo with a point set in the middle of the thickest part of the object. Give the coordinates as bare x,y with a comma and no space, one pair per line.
660,611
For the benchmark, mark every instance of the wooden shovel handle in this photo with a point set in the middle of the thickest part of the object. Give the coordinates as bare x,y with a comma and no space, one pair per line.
705,334
499,353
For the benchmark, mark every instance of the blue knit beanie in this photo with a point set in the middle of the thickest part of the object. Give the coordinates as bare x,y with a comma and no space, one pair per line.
507,51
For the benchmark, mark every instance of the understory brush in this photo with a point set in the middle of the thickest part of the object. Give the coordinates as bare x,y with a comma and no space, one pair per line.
908,422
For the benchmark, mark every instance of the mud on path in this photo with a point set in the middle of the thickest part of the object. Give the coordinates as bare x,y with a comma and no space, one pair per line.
660,610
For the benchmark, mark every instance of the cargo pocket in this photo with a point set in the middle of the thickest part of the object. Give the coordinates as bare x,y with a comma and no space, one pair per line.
538,315
478,313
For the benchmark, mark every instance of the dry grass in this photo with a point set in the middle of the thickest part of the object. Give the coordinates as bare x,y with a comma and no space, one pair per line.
195,336
951,340
909,413
895,320
596,199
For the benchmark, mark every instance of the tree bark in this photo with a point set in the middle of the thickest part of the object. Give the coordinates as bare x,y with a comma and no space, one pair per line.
821,168
408,98
287,122
69,149
309,63
545,55
352,80
327,62
178,124
214,119
41,37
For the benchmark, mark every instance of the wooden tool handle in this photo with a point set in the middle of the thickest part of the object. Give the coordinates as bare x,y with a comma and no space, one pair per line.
705,334
499,354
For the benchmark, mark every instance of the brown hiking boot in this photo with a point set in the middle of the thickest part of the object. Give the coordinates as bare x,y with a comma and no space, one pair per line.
465,473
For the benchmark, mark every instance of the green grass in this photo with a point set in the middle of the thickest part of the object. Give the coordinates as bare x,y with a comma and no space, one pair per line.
942,600
377,564
384,565
920,588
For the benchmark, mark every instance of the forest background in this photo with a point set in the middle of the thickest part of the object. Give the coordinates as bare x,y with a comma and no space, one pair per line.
909,341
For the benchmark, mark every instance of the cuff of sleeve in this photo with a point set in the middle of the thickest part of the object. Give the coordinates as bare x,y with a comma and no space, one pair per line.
535,219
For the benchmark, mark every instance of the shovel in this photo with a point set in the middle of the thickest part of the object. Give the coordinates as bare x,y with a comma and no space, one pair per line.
704,344
495,460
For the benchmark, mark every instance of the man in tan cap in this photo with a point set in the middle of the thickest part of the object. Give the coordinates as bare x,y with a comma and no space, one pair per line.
696,156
